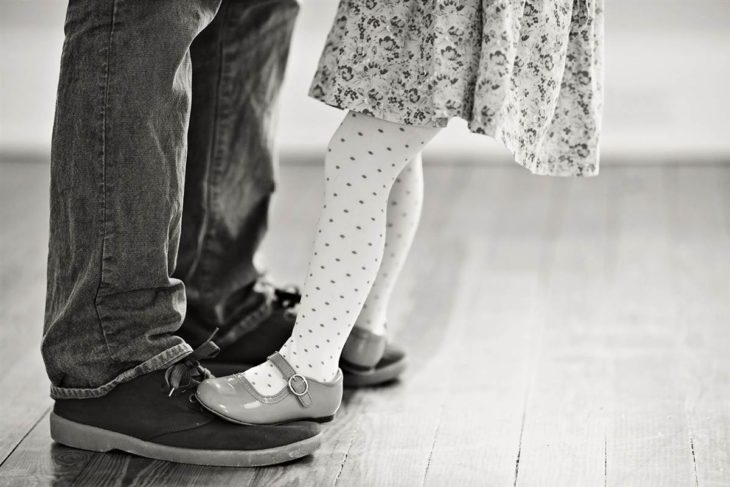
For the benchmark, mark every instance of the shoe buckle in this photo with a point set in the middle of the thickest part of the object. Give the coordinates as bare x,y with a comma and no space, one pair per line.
291,385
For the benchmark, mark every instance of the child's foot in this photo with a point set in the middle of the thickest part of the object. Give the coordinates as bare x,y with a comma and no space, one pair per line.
234,397
368,359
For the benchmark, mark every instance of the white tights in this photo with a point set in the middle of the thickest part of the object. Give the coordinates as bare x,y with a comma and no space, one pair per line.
373,196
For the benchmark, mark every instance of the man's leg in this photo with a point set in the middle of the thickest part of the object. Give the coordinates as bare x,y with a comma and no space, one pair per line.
238,66
117,171
120,379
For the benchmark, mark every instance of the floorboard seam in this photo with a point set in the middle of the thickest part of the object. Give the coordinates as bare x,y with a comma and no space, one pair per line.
537,331
433,444
694,458
605,458
519,446
15,447
344,459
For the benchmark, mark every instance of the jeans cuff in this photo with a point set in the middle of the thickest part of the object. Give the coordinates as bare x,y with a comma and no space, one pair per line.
159,361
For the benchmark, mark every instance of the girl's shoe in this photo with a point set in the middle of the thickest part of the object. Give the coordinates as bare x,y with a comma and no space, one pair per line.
369,360
234,398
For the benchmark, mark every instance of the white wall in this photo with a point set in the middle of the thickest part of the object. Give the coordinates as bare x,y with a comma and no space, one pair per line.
668,63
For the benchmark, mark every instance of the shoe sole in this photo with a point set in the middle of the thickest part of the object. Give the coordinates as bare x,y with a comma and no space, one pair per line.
85,437
354,378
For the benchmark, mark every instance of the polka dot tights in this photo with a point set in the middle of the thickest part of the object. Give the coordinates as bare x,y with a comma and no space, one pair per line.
402,217
373,192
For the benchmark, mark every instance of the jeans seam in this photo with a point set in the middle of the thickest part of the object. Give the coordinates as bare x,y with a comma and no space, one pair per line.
105,107
204,234
216,165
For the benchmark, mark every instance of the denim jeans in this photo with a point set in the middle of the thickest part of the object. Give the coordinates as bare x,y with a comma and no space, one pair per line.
161,175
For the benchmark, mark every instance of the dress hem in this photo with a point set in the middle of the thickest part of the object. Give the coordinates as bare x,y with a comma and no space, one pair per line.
589,169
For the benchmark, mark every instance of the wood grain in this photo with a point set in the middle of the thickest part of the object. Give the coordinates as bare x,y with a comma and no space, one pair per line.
39,461
563,434
480,425
649,439
23,241
560,332
699,209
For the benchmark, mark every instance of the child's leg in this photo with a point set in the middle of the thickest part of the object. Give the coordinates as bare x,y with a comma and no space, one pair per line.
403,215
363,160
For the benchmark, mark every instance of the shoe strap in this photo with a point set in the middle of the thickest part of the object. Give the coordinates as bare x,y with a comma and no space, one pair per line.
297,383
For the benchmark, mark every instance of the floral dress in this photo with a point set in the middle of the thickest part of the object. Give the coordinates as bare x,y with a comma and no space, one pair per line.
527,72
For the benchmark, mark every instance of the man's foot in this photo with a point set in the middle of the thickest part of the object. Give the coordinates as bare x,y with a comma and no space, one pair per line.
157,416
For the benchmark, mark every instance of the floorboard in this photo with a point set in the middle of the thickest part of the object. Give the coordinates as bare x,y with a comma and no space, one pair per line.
23,242
700,212
560,332
649,439
564,436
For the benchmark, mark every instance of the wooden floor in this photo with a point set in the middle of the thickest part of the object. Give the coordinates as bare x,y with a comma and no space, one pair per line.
561,333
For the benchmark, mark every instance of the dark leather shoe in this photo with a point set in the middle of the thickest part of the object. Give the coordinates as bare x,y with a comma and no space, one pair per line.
157,416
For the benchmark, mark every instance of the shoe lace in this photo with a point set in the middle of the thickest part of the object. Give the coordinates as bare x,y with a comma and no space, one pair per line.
189,372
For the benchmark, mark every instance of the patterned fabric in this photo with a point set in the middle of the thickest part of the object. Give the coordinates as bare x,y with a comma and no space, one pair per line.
364,163
527,72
